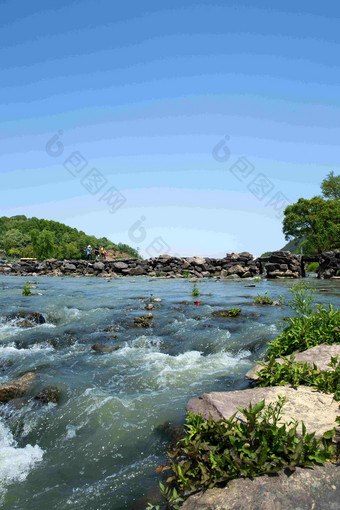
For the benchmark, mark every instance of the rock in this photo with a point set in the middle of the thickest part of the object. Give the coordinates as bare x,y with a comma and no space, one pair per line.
104,348
19,403
70,267
317,410
120,265
144,321
17,388
227,313
156,300
99,266
108,329
305,489
49,394
320,355
137,271
150,306
27,319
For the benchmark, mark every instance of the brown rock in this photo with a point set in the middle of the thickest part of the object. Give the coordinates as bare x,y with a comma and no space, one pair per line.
17,388
104,348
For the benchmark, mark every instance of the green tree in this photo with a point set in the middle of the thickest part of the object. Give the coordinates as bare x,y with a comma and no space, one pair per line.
317,220
43,244
330,186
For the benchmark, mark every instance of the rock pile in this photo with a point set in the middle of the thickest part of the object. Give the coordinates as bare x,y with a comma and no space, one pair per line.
283,264
329,265
233,266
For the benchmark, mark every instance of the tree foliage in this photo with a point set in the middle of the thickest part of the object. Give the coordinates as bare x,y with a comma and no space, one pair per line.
33,237
330,186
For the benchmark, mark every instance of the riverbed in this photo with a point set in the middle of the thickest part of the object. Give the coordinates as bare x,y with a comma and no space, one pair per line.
99,447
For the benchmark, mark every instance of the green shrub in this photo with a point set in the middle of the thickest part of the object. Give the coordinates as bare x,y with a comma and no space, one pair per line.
212,453
296,373
313,267
26,291
302,333
232,312
195,292
263,300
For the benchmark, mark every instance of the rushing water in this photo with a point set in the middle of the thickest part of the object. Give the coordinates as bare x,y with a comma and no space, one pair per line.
98,448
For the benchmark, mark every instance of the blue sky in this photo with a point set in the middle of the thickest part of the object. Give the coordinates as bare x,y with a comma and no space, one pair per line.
144,92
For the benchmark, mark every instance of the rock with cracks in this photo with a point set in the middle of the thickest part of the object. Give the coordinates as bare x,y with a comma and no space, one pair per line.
305,489
317,410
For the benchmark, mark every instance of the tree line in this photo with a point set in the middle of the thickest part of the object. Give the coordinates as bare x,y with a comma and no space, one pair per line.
315,223
22,237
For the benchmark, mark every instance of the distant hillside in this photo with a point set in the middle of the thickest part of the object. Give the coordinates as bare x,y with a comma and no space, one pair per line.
33,237
294,246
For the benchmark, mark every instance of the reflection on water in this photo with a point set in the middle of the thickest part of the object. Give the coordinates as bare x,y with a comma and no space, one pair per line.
99,447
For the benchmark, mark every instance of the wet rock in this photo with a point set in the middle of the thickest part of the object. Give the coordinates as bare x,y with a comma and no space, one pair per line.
5,364
317,410
320,355
104,348
17,388
49,394
19,403
27,319
314,488
233,312
173,433
144,321
150,306
109,329
156,300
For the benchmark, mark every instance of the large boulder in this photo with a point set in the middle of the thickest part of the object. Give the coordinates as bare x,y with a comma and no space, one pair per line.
317,410
320,355
17,388
120,265
99,266
305,489
27,319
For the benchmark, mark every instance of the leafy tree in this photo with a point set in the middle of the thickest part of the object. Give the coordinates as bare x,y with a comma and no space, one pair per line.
330,187
317,220
43,244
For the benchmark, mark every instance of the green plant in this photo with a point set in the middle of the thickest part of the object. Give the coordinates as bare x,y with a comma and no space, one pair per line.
212,453
295,373
263,300
195,292
26,291
303,299
313,267
186,274
257,279
232,312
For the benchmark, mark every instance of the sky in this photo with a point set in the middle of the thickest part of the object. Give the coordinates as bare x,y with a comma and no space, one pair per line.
181,127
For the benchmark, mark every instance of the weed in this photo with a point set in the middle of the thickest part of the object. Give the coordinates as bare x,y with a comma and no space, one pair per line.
212,453
195,292
26,291
263,300
296,373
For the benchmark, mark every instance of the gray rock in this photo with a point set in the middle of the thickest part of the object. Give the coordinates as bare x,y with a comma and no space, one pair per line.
317,410
320,355
70,267
99,266
120,265
104,348
50,394
305,489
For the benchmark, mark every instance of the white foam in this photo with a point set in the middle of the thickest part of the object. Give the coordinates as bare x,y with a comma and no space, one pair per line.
15,463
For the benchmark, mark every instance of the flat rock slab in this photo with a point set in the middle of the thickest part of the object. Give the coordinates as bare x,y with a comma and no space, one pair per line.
317,410
305,489
320,355
17,388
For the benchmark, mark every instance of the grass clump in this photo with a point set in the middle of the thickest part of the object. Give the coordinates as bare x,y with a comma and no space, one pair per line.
195,292
212,453
296,373
26,291
232,312
310,327
264,300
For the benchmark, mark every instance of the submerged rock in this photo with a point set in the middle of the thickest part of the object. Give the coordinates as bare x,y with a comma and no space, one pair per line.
27,319
317,410
304,489
320,355
49,394
150,306
144,321
17,388
104,348
111,328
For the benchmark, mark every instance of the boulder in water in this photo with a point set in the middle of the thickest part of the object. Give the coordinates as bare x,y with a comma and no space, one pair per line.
104,348
17,388
49,394
27,319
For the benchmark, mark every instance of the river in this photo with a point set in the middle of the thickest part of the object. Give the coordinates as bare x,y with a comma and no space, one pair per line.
99,447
